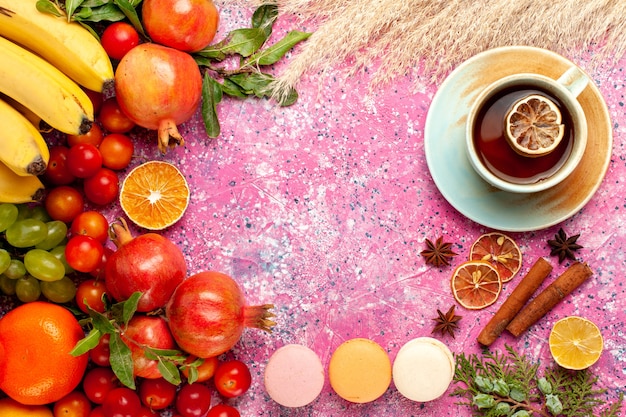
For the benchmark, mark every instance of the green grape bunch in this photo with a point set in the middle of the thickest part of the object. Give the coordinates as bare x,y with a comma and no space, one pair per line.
32,255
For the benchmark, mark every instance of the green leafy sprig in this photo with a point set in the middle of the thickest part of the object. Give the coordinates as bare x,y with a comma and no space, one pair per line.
88,12
113,322
246,46
508,384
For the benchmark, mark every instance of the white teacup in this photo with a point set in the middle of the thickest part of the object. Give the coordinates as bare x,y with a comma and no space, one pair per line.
505,91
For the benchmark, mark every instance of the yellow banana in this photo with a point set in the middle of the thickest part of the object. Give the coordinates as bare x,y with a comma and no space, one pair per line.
68,46
22,148
44,89
28,113
19,189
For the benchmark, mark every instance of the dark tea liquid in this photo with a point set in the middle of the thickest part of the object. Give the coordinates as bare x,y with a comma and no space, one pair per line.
496,153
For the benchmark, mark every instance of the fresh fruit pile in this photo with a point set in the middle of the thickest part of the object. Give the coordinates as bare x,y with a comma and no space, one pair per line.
141,338
71,101
32,255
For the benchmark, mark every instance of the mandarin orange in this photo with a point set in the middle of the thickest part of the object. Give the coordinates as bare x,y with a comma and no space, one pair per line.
36,366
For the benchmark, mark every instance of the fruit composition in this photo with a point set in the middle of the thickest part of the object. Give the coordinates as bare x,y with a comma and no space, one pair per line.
87,334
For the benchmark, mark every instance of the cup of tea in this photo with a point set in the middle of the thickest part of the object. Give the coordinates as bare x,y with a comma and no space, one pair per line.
527,132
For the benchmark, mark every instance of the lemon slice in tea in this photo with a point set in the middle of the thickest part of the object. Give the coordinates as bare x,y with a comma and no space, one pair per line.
476,284
534,126
575,343
154,195
499,250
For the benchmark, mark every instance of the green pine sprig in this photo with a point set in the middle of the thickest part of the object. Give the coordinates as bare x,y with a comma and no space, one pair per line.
510,384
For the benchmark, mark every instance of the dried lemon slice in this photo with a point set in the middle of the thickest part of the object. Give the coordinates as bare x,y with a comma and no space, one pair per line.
501,251
476,284
534,126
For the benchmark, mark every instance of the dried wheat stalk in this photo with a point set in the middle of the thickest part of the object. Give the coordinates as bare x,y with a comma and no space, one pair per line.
395,37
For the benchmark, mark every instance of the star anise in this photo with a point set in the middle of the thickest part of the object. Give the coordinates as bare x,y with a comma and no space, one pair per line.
447,323
564,246
438,253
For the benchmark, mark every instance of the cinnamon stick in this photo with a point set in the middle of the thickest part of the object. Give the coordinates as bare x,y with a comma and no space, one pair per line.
514,303
567,282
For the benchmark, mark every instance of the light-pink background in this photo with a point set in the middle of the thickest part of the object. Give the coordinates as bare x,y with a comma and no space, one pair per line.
322,208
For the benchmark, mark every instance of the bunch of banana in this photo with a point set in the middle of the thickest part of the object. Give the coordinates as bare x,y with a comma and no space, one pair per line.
49,93
46,63
68,46
46,60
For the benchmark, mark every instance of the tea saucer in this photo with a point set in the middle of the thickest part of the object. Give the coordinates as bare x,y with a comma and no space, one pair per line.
465,190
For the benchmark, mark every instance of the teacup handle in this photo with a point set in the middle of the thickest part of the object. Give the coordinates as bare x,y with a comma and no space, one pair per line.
575,80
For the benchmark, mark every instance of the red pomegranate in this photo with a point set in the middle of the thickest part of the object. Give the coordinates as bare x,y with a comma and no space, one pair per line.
158,88
207,314
144,332
149,263
187,25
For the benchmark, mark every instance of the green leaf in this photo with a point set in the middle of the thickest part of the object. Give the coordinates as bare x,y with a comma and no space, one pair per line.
275,52
211,96
264,18
106,13
123,311
101,322
169,371
193,374
174,354
233,89
244,42
84,13
95,3
130,307
71,6
87,343
255,83
204,57
289,98
121,360
128,8
46,6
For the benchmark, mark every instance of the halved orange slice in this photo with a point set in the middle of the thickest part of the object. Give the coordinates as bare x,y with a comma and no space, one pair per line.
154,195
534,126
499,250
575,342
476,284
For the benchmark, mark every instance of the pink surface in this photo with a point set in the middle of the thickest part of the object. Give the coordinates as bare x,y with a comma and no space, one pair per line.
322,208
